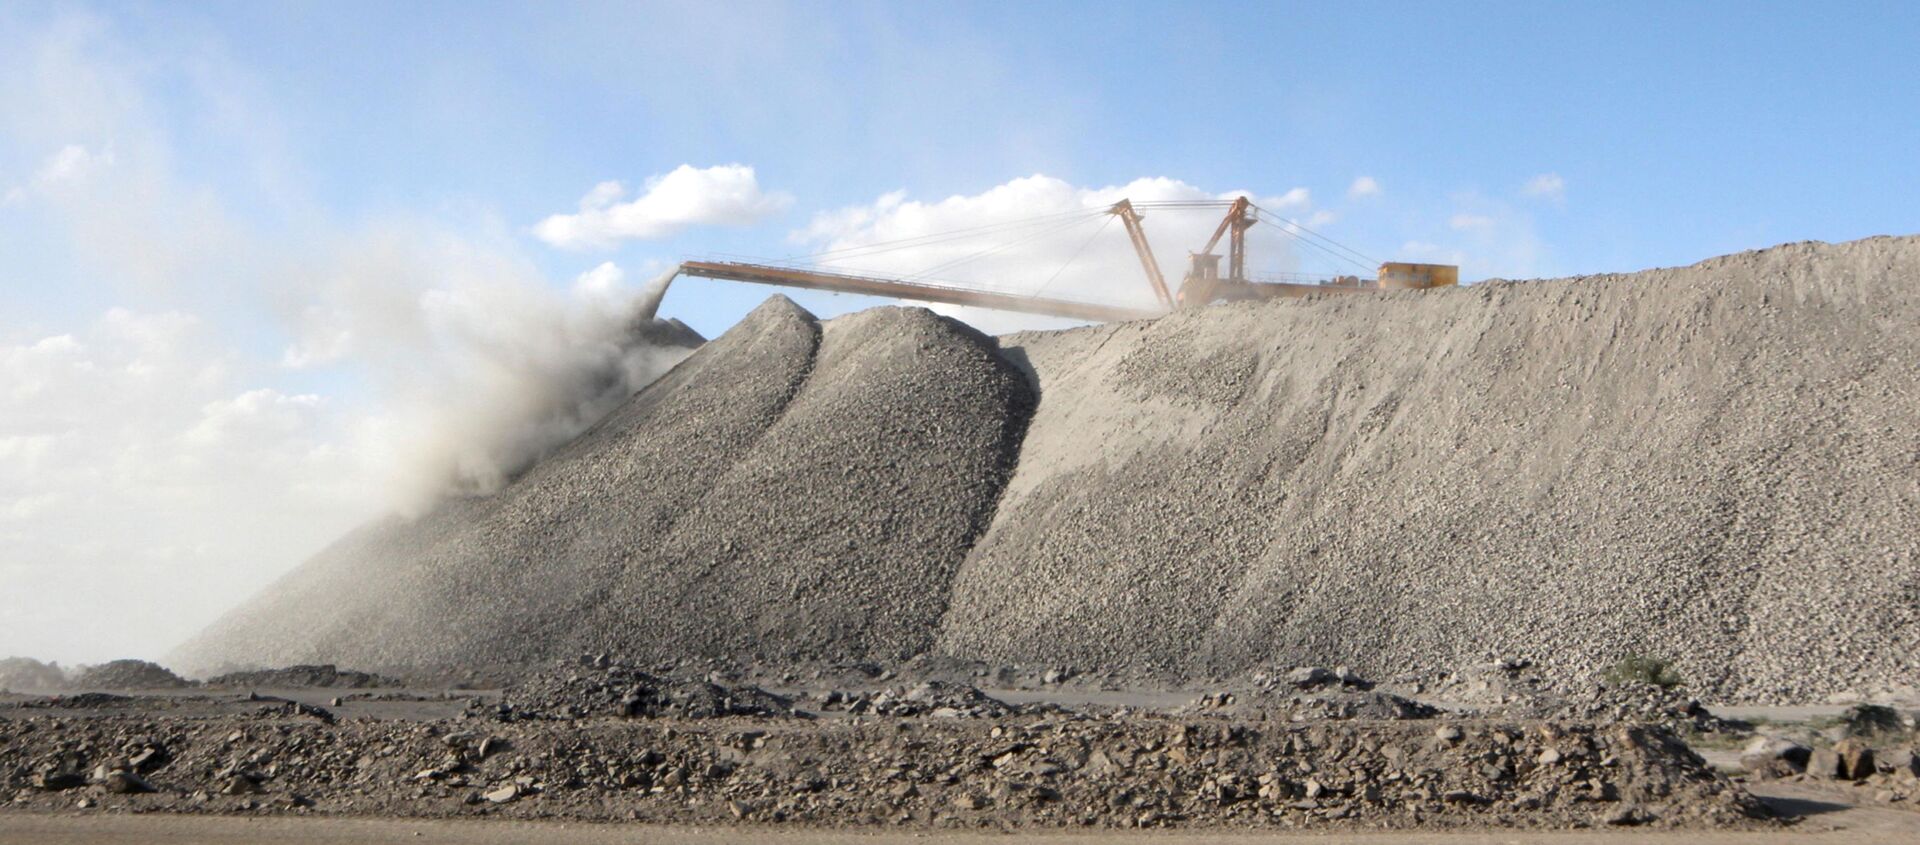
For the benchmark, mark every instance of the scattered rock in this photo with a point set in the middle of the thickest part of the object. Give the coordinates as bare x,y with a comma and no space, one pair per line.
1855,760
304,675
122,782
939,699
55,781
1770,756
1311,677
1024,770
1627,816
128,674
599,687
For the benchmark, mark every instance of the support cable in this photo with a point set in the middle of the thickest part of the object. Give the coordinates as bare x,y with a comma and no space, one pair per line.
948,265
1074,257
954,234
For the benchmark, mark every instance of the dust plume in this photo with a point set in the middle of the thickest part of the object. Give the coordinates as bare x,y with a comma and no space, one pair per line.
482,368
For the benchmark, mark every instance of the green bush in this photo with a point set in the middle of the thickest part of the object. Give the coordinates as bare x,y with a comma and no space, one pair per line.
1639,669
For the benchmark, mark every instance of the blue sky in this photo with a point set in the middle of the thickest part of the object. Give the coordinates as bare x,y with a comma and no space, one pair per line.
248,248
1680,130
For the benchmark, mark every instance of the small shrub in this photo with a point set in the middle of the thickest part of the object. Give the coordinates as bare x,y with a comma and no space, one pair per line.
1872,720
1639,669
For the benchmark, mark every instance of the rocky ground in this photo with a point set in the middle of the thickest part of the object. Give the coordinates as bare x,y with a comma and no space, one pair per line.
863,746
938,772
599,739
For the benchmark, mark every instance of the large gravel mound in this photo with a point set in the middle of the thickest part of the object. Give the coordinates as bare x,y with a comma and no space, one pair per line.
760,499
500,581
1717,464
835,534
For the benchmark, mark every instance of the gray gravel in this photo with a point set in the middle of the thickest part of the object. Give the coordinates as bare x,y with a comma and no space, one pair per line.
1717,465
835,534
126,675
504,580
760,500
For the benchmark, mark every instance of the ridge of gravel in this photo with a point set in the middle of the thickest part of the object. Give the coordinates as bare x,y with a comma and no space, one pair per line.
835,534
1716,465
785,494
500,581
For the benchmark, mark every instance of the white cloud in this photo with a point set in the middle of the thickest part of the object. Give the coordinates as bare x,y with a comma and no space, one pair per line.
262,411
1547,186
73,162
600,282
1084,258
69,165
1365,186
143,479
726,195
1432,253
323,336
1297,199
1466,222
159,464
1487,238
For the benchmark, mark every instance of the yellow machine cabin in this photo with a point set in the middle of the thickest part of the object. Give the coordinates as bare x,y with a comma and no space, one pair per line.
1406,275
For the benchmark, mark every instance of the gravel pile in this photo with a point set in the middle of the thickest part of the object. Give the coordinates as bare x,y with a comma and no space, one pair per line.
504,580
938,699
834,534
127,674
1672,709
323,675
83,701
1656,464
936,773
1325,705
1663,463
597,687
779,496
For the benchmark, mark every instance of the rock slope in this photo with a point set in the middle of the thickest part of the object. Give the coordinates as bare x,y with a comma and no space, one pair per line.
778,493
1716,464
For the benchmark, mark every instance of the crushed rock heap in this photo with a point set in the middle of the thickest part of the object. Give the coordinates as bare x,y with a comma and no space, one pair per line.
599,687
324,675
1716,465
127,674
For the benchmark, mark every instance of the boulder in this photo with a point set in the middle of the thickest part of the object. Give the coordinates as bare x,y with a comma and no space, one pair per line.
1899,762
1823,763
55,780
1311,677
1772,756
1856,759
122,782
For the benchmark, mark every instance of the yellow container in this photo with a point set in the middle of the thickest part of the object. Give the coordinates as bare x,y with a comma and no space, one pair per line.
1409,276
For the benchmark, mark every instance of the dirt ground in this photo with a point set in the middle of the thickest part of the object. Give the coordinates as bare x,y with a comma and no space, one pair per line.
375,765
1828,820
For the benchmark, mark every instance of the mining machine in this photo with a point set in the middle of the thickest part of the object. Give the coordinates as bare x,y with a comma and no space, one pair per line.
1203,283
